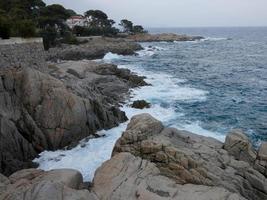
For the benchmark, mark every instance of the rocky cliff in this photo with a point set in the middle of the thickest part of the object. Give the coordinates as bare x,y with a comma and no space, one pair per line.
46,105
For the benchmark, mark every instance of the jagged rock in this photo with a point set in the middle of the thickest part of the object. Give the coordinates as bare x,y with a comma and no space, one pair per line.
239,146
128,177
34,184
187,158
47,106
165,37
140,104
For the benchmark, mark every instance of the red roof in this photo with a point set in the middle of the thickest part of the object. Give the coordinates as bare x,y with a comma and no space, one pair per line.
76,17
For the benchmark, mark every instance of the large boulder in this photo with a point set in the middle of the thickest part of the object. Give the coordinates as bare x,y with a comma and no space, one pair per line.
187,158
239,146
35,184
128,177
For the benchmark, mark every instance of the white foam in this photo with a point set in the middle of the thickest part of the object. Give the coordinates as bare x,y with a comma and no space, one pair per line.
146,52
86,157
165,88
195,127
111,56
213,39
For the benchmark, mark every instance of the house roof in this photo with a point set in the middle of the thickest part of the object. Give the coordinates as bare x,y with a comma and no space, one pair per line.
76,17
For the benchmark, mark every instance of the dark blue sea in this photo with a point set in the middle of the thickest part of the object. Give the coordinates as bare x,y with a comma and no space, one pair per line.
210,86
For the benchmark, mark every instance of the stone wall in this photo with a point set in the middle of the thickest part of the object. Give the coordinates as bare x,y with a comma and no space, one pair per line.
17,53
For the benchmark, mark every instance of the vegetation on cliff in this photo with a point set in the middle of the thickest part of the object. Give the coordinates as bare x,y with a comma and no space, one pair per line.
30,18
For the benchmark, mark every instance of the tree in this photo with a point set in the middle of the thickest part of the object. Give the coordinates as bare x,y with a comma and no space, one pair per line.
26,28
71,12
49,35
17,13
55,12
96,14
138,29
31,7
5,30
126,25
98,19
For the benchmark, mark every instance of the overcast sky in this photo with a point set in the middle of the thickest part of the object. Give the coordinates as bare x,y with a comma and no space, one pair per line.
177,13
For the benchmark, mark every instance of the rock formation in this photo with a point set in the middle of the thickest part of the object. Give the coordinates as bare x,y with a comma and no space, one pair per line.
153,162
140,104
95,48
33,184
53,105
165,37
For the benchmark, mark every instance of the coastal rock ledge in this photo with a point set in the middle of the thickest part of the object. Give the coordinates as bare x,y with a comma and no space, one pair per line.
151,162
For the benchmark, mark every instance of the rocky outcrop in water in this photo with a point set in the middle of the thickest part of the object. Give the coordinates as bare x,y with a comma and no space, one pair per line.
54,105
165,37
95,48
140,104
153,162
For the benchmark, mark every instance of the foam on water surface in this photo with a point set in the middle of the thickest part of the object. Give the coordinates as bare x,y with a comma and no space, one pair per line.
111,56
164,92
86,157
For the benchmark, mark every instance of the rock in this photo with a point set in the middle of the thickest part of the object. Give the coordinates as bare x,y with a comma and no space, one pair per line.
143,126
39,185
95,48
4,182
128,177
186,158
261,162
262,154
165,37
48,106
239,146
140,104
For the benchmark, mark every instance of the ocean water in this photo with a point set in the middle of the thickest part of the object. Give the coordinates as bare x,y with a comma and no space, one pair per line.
207,87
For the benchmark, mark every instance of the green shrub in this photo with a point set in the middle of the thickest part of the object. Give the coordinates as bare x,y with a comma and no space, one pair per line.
69,38
49,35
93,31
5,28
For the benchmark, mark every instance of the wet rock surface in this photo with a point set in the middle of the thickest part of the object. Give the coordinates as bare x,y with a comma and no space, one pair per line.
140,104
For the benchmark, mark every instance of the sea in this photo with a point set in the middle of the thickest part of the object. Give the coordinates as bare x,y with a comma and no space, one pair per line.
207,87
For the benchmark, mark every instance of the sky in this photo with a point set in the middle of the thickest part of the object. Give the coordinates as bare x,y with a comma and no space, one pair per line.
177,13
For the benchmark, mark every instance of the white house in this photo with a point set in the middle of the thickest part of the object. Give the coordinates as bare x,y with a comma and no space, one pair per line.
77,20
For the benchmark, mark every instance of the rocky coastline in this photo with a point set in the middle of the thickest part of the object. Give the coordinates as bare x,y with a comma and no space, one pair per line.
164,37
47,105
51,100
